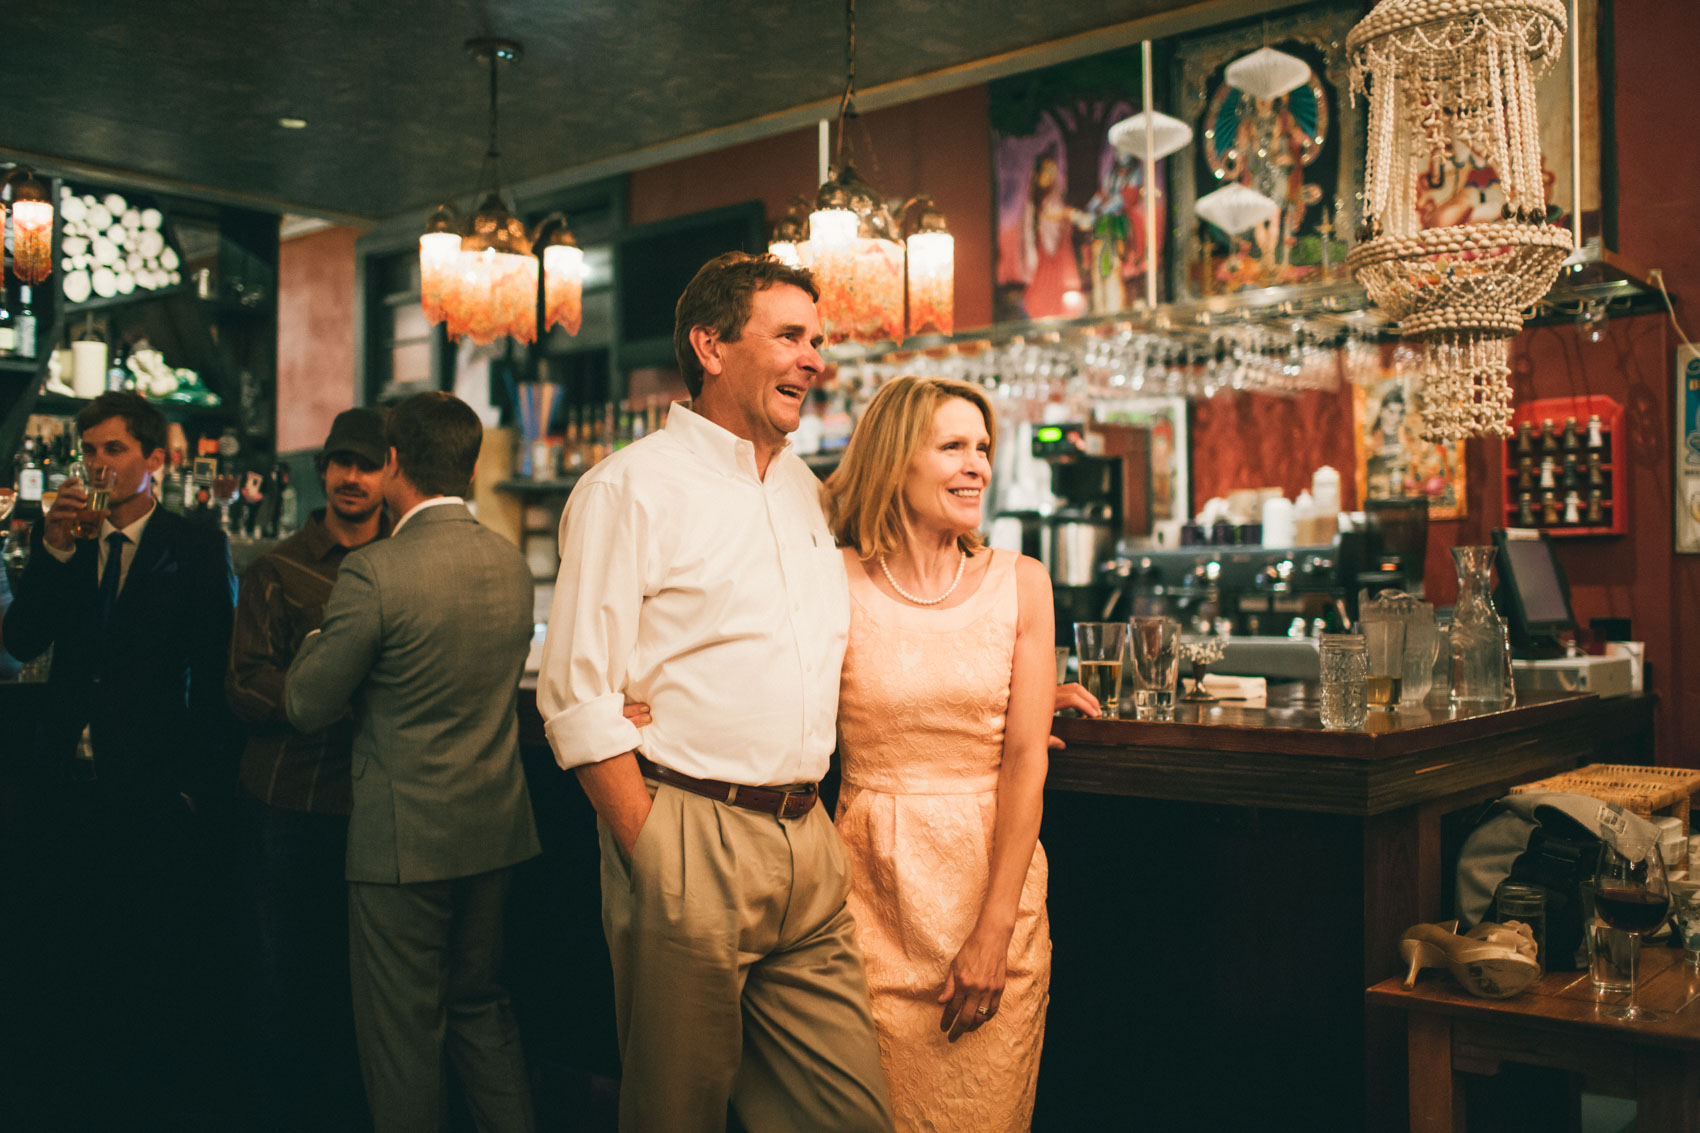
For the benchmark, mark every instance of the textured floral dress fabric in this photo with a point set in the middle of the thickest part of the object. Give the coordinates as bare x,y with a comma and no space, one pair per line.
920,736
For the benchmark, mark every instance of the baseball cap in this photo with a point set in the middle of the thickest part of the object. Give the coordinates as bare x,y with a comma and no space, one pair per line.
361,432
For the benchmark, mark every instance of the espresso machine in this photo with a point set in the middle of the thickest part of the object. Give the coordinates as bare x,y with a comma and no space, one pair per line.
1079,538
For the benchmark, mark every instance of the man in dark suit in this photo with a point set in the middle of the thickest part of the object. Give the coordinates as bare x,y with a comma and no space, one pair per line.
425,636
139,622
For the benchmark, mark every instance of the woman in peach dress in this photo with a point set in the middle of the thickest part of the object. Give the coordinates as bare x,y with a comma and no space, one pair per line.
944,710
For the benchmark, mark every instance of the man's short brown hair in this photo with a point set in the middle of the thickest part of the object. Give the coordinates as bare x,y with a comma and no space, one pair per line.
145,422
719,297
436,437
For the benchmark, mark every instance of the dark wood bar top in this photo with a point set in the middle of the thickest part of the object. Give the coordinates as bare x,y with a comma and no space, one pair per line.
1281,756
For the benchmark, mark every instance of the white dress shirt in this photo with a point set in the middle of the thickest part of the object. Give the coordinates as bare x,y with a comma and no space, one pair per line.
133,539
434,501
716,597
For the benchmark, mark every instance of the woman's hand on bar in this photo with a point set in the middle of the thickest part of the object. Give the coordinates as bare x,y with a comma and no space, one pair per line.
1074,695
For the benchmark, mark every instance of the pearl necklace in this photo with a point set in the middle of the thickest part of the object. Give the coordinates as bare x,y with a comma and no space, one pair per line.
961,565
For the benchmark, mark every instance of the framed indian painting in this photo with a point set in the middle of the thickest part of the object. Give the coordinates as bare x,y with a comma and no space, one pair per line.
1070,215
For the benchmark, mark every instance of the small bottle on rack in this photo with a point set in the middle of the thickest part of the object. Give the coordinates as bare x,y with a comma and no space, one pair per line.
1526,438
1549,509
1549,479
1596,434
1596,473
1571,442
1525,474
1596,509
1572,509
1549,437
1525,509
1572,475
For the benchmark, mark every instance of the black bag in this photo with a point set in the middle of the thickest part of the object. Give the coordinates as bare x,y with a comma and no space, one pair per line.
1545,839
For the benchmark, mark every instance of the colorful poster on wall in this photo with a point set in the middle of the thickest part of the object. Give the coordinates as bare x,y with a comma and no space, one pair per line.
1392,459
1687,450
1071,228
1302,150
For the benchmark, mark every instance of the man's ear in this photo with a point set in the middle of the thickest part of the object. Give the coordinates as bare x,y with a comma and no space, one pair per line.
706,342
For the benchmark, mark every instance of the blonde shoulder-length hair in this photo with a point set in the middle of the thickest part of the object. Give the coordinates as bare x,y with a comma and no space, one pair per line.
864,496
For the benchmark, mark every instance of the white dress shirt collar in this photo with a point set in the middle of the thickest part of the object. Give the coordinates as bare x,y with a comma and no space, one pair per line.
434,501
715,444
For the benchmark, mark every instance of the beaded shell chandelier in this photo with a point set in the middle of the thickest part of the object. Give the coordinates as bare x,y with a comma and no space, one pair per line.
1453,82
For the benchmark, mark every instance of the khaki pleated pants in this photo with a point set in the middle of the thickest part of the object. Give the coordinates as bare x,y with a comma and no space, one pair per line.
737,977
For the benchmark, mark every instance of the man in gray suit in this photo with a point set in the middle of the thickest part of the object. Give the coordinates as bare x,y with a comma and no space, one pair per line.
425,636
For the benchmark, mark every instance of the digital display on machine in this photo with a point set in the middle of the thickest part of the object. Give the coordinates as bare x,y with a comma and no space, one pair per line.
1534,576
1059,440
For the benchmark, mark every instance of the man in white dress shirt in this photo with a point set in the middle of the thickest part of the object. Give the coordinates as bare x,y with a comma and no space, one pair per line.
698,576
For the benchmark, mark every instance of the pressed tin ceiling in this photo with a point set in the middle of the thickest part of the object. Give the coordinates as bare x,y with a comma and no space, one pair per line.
191,93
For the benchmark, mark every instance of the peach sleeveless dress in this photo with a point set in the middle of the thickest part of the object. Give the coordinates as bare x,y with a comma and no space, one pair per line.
920,737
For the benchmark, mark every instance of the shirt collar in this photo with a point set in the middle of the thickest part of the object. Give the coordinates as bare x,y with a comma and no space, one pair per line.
434,501
133,532
317,540
722,449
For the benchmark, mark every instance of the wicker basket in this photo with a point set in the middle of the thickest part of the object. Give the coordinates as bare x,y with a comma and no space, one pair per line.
1643,790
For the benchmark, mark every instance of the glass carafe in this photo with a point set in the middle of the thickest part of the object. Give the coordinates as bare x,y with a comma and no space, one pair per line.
1481,673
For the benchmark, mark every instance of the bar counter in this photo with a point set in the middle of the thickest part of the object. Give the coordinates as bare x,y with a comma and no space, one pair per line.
1224,887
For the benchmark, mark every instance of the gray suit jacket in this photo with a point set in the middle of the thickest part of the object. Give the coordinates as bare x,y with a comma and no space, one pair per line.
425,637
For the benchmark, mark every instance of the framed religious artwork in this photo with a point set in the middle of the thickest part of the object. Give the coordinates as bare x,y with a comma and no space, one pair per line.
1070,209
1296,157
1393,460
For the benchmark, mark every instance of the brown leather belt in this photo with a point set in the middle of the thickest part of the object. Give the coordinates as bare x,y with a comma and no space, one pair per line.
786,802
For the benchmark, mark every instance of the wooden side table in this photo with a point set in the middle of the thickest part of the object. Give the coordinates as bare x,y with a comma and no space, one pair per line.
1559,1023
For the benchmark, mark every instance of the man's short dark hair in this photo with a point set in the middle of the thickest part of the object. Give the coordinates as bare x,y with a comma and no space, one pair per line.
719,298
436,437
145,422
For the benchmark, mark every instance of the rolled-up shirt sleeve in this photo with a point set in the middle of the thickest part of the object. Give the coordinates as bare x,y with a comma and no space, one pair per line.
593,627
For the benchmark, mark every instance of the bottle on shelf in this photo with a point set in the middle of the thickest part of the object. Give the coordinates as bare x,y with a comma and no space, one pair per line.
8,327
1549,437
1596,434
118,375
1572,442
623,430
1596,472
1549,509
30,481
288,508
1572,508
23,319
1596,509
1526,439
1525,509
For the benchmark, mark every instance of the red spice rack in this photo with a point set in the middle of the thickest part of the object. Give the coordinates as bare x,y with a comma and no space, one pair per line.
1615,491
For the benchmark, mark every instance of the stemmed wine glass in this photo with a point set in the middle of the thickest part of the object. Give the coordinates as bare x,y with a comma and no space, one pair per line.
1632,895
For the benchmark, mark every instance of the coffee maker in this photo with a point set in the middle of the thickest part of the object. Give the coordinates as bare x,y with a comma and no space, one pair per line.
1080,537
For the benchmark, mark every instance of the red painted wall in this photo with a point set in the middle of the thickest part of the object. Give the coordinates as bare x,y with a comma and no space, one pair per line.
940,146
315,335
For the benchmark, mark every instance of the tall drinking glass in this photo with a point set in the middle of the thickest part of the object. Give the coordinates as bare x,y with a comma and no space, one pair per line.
1099,647
1384,640
1632,894
1154,651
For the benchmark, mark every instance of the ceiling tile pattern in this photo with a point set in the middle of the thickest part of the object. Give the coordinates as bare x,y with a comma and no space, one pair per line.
396,109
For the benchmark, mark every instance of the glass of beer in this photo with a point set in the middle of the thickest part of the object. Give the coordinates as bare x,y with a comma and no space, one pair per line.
1099,647
97,488
1384,637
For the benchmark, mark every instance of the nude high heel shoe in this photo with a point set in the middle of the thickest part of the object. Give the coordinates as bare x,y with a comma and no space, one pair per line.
1493,961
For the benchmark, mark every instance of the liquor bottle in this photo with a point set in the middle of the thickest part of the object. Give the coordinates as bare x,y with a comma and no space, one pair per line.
1596,509
656,413
1596,473
1572,442
30,481
640,425
118,374
8,327
1548,473
1572,475
623,430
24,320
1525,474
288,517
1549,509
173,490
1596,435
1549,437
1525,509
1526,438
1572,508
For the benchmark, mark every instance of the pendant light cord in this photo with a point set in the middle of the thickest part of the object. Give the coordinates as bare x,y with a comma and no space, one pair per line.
493,153
847,104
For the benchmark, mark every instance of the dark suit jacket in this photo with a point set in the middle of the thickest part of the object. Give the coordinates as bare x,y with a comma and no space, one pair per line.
151,685
425,637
